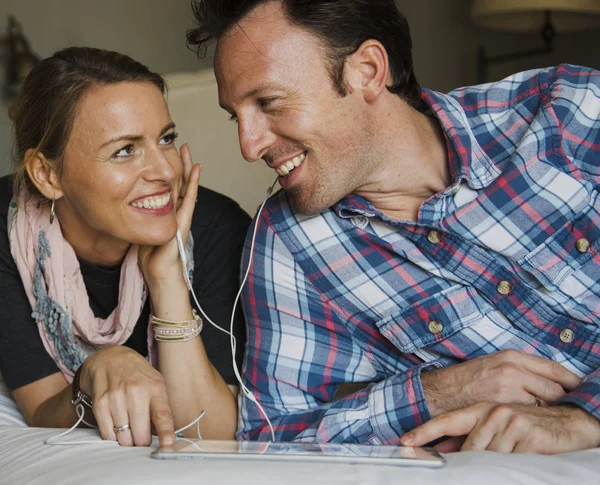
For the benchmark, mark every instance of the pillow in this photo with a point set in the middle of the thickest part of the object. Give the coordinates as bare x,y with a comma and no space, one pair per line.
9,411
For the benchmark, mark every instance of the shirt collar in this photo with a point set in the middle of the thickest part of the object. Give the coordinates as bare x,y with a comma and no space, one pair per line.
353,205
466,160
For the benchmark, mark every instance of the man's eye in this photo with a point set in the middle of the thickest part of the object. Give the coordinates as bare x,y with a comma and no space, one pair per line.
124,152
264,102
233,118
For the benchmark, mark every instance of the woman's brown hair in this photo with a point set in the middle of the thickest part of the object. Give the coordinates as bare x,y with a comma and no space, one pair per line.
44,112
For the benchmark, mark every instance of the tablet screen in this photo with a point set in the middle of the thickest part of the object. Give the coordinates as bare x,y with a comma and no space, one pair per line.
352,453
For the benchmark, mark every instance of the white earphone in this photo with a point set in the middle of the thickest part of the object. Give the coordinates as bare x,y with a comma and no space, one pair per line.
232,339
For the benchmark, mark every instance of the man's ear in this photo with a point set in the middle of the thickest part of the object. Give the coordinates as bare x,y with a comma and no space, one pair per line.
42,173
370,69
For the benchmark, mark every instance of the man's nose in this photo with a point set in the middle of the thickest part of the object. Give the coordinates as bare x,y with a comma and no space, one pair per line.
255,137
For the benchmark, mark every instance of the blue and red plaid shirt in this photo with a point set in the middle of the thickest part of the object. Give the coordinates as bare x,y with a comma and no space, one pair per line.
505,258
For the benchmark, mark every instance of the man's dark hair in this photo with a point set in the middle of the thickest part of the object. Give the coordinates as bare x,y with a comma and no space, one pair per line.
342,25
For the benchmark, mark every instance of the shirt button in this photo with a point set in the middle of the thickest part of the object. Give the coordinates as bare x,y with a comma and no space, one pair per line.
434,237
435,327
504,288
566,335
582,245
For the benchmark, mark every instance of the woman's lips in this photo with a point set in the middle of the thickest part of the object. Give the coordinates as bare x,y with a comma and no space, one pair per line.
145,205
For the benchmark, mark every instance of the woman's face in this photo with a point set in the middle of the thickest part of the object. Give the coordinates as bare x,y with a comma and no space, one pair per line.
121,172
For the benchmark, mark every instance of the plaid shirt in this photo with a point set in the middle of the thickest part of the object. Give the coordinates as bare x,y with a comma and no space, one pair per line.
504,258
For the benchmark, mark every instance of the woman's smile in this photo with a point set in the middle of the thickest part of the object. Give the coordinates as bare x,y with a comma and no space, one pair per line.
155,204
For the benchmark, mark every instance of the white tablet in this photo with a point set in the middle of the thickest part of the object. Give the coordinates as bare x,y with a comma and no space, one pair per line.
281,451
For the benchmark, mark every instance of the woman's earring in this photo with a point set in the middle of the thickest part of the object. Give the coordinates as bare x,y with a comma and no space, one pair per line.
52,212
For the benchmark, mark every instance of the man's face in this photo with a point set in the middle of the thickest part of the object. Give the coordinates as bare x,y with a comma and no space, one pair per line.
273,79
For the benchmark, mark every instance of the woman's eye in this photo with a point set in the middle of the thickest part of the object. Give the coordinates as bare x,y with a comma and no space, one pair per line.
169,139
233,118
124,152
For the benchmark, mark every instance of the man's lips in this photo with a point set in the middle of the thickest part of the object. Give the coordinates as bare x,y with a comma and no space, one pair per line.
287,166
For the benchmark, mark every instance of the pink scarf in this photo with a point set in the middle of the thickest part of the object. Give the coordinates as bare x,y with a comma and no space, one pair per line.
54,285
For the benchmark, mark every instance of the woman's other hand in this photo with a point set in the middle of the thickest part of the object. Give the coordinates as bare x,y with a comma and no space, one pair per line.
160,264
126,389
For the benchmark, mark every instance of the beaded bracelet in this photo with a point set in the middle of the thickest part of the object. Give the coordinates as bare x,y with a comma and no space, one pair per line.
166,337
176,331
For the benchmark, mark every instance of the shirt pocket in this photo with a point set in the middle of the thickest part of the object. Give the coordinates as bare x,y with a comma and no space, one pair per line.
431,320
568,262
567,250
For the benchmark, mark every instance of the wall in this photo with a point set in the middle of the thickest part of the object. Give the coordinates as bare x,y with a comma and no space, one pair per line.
446,41
443,42
150,31
582,48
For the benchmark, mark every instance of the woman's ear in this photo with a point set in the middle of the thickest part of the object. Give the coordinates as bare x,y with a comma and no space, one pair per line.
42,173
371,69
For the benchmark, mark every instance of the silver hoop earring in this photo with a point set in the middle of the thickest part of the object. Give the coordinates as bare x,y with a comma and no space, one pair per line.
52,212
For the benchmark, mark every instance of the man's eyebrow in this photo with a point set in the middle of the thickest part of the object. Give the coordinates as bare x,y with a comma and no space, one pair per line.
167,127
117,139
262,88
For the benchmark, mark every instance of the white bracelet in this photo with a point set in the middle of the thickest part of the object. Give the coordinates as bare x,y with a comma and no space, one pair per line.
176,330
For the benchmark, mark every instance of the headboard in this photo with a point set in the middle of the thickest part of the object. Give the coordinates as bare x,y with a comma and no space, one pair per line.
194,106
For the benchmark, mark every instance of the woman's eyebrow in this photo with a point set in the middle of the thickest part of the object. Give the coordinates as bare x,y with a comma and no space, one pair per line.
135,137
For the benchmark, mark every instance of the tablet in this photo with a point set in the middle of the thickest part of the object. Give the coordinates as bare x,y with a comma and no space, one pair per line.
282,451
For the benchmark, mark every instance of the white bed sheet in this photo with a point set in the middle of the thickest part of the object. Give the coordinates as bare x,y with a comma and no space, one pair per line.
25,459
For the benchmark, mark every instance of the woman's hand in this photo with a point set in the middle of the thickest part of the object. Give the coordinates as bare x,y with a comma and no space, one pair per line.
126,389
160,264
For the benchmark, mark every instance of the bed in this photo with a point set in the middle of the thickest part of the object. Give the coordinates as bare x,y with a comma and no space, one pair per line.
25,459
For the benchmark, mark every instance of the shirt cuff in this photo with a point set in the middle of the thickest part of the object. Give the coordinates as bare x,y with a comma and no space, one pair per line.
586,396
397,405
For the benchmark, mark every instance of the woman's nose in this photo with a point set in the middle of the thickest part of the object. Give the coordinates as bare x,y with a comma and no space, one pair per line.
160,166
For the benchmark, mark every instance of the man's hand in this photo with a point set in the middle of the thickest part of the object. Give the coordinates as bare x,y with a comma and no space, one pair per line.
512,428
505,377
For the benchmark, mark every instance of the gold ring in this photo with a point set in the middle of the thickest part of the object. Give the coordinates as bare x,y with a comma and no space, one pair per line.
118,429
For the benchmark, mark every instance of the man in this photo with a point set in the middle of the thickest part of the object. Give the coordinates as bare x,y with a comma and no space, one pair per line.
438,250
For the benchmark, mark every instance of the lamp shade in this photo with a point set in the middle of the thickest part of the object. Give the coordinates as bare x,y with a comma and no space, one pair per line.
529,15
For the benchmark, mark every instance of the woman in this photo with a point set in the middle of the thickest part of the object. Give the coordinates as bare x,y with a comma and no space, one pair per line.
91,281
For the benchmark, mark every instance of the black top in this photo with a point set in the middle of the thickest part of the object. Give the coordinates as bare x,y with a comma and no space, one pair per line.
219,227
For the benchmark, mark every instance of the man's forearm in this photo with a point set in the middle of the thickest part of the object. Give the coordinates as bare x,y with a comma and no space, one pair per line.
379,414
